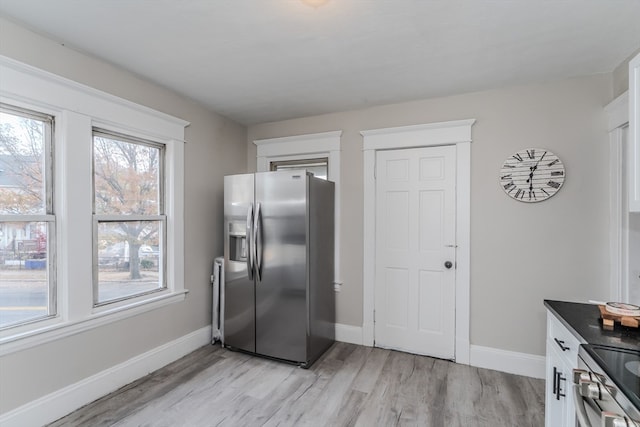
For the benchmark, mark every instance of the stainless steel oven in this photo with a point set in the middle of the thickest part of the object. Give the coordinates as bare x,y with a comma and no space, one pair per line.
607,387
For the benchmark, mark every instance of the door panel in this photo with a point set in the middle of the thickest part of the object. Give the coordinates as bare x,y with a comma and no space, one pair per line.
397,298
415,235
281,291
238,303
397,207
430,296
430,229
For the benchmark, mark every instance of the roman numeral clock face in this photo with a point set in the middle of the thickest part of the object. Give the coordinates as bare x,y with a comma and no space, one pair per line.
532,175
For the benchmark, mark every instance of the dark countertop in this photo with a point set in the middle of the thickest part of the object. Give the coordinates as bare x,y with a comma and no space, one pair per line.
583,320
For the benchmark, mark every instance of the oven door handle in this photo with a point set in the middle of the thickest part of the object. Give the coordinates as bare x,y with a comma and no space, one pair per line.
581,411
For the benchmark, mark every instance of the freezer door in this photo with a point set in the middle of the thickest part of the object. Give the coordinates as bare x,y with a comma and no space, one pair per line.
281,260
239,296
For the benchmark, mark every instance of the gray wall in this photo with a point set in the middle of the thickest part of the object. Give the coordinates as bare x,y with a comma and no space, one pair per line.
215,147
520,253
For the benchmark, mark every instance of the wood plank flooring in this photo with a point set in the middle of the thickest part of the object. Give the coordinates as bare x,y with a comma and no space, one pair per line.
349,385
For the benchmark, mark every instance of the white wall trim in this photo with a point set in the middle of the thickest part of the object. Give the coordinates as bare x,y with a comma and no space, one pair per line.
58,329
308,143
349,333
23,81
633,148
617,112
425,135
618,118
529,365
463,251
61,402
617,228
323,144
443,133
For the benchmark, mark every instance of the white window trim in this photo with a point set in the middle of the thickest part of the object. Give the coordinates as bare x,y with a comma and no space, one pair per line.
76,109
299,147
456,133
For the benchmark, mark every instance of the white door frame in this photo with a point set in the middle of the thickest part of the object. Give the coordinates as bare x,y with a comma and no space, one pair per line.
456,133
618,118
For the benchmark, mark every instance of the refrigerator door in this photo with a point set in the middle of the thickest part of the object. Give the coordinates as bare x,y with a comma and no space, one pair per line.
321,266
281,260
239,301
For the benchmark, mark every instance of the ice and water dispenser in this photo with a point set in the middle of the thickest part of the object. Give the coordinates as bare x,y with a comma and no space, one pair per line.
238,249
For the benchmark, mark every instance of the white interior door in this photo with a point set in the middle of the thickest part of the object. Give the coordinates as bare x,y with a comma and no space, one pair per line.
415,239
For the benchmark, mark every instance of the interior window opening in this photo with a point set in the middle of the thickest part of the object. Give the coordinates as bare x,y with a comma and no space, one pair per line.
318,167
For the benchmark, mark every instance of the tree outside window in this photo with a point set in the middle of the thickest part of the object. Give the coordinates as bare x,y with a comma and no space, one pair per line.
129,217
26,216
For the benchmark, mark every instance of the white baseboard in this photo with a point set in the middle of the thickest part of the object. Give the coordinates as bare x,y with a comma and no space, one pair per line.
349,333
528,365
512,362
61,402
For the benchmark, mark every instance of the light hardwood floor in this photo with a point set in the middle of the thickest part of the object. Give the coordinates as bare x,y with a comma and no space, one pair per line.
349,385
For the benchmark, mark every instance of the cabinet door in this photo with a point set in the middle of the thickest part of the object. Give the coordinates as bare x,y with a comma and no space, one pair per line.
555,407
559,406
562,358
634,134
566,393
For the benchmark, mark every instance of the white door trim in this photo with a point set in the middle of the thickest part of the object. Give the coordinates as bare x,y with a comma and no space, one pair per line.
618,118
456,133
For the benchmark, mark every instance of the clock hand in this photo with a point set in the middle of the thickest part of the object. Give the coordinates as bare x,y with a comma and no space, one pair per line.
534,167
537,163
531,177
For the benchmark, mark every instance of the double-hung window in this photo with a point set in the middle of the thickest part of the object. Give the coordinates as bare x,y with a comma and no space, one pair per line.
129,219
27,221
91,209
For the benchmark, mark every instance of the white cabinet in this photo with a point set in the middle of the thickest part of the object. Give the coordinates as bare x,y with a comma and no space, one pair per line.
556,406
634,134
562,358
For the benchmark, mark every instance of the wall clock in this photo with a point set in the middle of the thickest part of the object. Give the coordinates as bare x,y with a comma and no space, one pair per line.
532,175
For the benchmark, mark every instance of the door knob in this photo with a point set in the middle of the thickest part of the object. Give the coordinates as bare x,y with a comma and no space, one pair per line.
448,264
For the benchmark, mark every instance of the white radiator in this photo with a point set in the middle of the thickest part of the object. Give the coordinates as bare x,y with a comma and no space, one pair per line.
217,306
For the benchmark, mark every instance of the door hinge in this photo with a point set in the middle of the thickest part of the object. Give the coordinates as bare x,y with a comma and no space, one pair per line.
374,316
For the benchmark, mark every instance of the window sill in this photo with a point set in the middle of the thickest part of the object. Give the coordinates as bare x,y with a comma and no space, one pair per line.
38,336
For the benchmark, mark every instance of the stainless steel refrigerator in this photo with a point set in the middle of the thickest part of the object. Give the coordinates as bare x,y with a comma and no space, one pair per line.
279,300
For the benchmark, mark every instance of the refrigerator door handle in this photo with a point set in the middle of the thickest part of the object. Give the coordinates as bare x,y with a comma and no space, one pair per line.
257,241
249,241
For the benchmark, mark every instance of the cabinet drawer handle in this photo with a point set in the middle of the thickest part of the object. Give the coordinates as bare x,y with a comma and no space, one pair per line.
561,344
559,392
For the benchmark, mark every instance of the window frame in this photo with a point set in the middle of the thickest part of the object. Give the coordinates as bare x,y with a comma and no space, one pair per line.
48,216
76,110
160,216
305,163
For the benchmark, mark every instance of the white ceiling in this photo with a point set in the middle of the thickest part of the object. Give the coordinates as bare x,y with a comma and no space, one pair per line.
264,60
